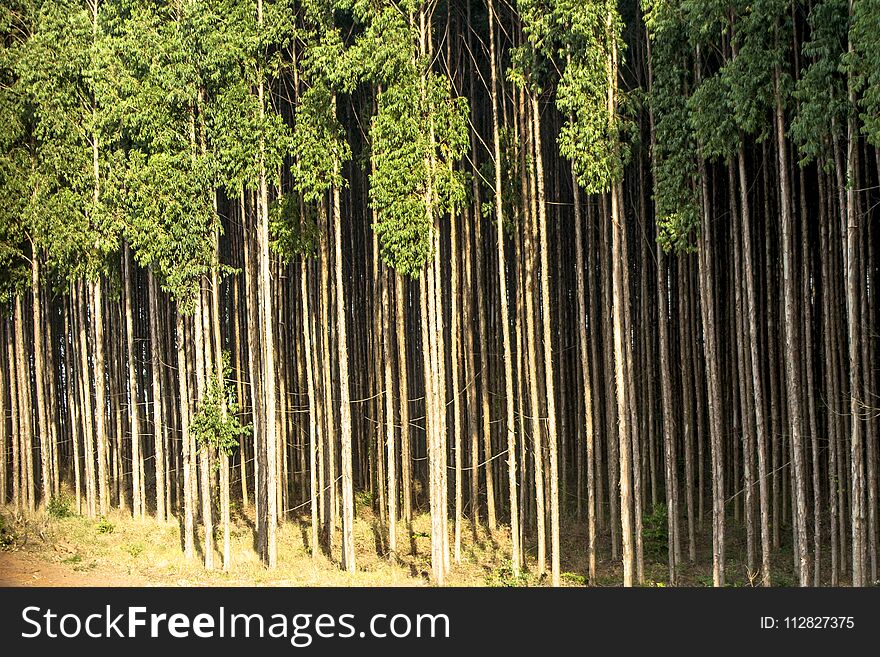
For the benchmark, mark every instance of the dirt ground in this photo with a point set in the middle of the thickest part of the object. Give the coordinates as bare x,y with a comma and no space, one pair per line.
26,569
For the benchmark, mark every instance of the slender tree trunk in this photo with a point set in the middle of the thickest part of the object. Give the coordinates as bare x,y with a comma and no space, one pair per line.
201,348
183,388
18,492
584,348
269,446
310,381
548,352
515,558
133,411
668,409
792,343
710,340
390,443
86,396
457,390
345,408
532,359
853,296
158,422
4,455
402,369
757,377
100,398
42,420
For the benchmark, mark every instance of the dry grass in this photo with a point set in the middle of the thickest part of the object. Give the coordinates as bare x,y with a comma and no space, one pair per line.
147,552
143,552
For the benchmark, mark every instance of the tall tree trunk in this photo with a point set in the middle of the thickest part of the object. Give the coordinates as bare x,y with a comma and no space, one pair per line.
705,255
133,411
100,397
792,343
515,558
4,454
183,389
42,418
345,407
584,349
18,493
402,369
757,376
310,382
853,297
532,359
159,427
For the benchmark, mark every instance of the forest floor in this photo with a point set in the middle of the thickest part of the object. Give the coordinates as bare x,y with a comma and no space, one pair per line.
119,550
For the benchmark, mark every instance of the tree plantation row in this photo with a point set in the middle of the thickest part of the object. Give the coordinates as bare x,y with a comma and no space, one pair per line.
535,266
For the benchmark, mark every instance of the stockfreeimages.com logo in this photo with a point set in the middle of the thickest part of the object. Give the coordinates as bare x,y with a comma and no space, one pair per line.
300,629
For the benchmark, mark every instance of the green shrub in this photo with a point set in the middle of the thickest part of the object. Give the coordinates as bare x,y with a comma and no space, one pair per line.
574,578
363,499
655,532
59,507
503,575
104,526
7,538
134,549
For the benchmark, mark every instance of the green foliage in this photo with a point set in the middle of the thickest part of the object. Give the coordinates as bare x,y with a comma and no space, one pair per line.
590,37
705,580
675,167
706,99
821,90
80,566
59,507
134,549
175,219
215,422
319,143
293,226
168,173
418,132
748,77
574,578
711,112
364,500
104,526
503,575
53,72
655,532
511,189
864,65
782,579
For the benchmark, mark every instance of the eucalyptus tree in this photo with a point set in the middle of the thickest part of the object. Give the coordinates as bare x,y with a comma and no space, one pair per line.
161,110
674,172
15,190
529,71
863,95
321,152
590,42
417,133
63,83
516,557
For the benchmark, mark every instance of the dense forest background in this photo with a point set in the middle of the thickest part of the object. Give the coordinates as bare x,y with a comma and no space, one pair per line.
526,266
